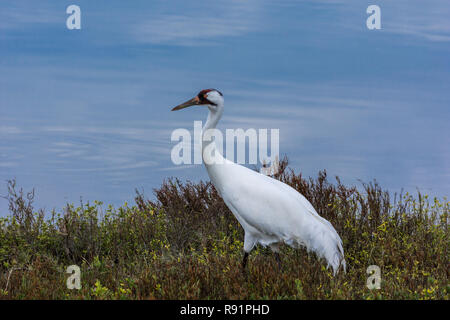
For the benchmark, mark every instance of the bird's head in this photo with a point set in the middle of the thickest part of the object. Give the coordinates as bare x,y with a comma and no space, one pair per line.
211,98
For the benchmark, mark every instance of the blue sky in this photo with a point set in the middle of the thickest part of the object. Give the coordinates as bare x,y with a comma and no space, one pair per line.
85,113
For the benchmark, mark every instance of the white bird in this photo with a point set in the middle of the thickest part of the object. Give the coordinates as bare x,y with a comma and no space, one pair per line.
270,211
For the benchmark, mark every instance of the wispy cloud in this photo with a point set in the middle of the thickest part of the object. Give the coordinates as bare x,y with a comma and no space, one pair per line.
180,167
8,164
136,165
107,148
10,130
414,19
201,24
427,20
21,15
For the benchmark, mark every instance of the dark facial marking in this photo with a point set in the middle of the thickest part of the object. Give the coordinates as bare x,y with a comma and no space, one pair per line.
202,96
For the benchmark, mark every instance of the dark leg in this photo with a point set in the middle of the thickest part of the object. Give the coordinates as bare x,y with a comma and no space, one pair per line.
244,262
278,259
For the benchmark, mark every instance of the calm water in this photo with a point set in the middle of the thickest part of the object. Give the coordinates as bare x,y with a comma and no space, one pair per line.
86,113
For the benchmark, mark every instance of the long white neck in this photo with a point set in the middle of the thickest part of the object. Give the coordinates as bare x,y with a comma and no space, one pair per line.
213,118
210,154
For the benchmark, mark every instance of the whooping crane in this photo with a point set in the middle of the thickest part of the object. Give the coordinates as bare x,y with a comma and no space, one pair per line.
271,212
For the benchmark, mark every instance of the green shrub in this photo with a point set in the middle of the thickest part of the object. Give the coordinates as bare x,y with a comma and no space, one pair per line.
186,244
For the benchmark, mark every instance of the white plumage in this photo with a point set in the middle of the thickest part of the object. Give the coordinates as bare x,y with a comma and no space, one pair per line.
269,211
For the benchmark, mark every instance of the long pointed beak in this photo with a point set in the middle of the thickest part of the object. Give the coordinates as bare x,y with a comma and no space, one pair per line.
193,102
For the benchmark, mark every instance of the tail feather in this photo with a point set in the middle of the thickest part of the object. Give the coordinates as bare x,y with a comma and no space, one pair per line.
326,243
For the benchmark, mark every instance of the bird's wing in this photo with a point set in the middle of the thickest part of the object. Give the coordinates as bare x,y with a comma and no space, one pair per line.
263,202
272,211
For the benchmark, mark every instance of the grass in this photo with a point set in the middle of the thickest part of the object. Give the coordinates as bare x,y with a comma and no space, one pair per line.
186,244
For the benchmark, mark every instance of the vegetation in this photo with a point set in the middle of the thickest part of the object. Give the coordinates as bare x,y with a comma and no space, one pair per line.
186,244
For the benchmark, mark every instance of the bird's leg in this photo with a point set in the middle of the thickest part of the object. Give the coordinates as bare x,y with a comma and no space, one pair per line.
244,262
249,243
275,249
278,259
